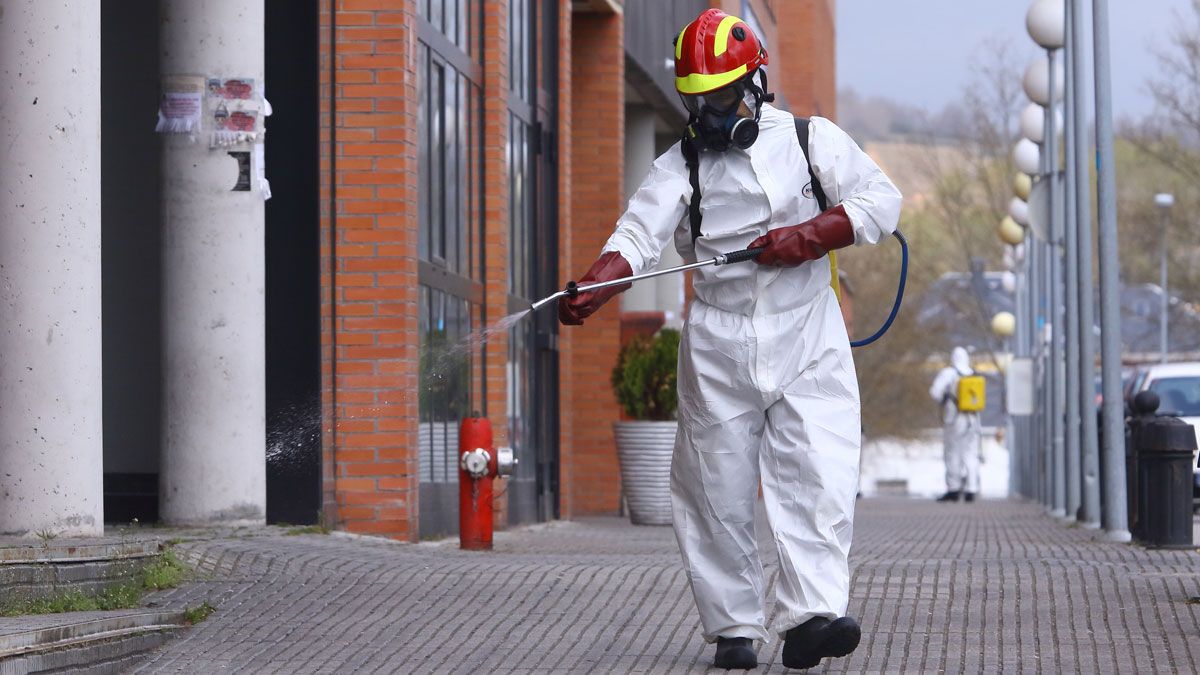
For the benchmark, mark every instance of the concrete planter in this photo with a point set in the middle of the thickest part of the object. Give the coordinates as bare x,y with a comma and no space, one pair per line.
644,450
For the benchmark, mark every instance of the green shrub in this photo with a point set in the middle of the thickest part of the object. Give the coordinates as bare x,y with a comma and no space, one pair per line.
644,378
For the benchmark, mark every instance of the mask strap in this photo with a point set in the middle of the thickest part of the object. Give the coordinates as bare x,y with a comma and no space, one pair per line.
767,97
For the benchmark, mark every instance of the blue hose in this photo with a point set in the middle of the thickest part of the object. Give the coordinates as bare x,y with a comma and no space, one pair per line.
899,294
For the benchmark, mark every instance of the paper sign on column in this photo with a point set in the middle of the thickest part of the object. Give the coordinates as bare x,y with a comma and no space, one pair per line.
180,105
234,110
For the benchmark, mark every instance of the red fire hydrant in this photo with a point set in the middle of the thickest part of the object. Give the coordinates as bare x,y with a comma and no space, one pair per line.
479,462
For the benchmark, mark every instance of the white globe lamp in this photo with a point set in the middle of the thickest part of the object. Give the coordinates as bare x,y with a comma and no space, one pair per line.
1046,22
1037,81
1033,122
1027,157
1008,281
1018,210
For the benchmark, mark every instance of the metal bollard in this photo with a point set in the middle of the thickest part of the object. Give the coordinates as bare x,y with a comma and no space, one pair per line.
1164,479
1144,406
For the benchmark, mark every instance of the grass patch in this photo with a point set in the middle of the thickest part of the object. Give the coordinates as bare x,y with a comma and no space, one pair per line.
310,529
125,596
194,615
166,572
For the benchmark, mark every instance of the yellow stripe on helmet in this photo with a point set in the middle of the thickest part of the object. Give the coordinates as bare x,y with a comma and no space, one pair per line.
722,38
679,43
699,83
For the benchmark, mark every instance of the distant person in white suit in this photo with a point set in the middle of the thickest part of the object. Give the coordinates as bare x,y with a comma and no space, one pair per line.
960,430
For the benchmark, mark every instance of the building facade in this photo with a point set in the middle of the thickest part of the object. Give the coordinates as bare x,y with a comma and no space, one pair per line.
304,349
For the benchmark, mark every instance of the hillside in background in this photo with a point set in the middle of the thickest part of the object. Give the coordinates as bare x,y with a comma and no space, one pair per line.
875,118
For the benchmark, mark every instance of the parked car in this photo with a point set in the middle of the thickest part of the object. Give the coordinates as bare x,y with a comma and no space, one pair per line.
1178,389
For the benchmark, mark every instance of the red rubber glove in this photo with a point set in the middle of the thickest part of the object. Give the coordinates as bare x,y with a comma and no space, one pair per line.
609,266
790,246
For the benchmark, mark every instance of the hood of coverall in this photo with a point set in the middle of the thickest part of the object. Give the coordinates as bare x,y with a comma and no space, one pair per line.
961,361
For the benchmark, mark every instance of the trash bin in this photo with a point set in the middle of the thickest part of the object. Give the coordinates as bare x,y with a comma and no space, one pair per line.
1164,459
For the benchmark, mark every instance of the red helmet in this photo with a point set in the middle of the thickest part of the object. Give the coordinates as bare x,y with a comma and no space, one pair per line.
715,50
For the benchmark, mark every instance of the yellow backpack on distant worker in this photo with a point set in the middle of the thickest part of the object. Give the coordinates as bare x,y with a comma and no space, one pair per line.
971,393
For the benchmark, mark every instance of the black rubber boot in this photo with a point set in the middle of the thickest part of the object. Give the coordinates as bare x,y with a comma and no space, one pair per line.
805,645
951,496
968,496
735,654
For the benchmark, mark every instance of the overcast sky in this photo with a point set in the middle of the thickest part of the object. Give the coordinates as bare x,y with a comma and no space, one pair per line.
919,51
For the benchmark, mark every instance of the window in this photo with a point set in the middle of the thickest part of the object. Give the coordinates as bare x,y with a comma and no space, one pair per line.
445,371
531,372
457,20
520,65
520,209
449,159
450,188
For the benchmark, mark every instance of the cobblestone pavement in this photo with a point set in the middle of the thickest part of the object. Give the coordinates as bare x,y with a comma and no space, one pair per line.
981,588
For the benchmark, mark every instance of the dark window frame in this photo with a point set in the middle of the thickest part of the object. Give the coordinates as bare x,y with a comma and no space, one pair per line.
451,255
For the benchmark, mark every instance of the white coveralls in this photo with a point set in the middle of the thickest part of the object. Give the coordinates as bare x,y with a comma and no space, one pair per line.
767,388
961,434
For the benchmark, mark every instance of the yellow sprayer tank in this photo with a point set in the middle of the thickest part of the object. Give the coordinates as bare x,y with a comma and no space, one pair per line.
971,393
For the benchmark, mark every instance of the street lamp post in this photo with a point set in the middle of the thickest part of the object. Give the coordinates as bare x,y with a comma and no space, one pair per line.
1164,202
1072,429
1116,510
1046,23
1089,447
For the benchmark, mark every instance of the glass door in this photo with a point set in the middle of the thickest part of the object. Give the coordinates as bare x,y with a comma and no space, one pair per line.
533,252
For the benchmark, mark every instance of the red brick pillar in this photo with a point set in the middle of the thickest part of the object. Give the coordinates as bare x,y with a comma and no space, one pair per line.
496,215
597,199
566,262
369,341
806,70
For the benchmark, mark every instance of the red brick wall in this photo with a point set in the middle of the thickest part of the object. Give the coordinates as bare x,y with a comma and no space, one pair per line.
806,71
802,42
370,340
369,269
597,199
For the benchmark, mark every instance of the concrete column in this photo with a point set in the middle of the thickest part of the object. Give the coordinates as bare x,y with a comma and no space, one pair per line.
639,155
213,467
665,293
51,448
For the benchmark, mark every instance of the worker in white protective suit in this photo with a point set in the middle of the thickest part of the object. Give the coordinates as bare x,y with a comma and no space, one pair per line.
766,382
961,431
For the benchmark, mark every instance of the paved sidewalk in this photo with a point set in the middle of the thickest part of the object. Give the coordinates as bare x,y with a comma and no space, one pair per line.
981,588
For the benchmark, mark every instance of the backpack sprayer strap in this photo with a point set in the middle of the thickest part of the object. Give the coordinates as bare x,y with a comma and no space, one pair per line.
691,157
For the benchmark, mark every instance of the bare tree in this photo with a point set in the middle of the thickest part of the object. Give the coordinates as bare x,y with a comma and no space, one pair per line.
1172,134
1162,154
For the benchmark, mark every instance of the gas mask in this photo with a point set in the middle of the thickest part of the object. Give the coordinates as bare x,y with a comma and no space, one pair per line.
716,121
